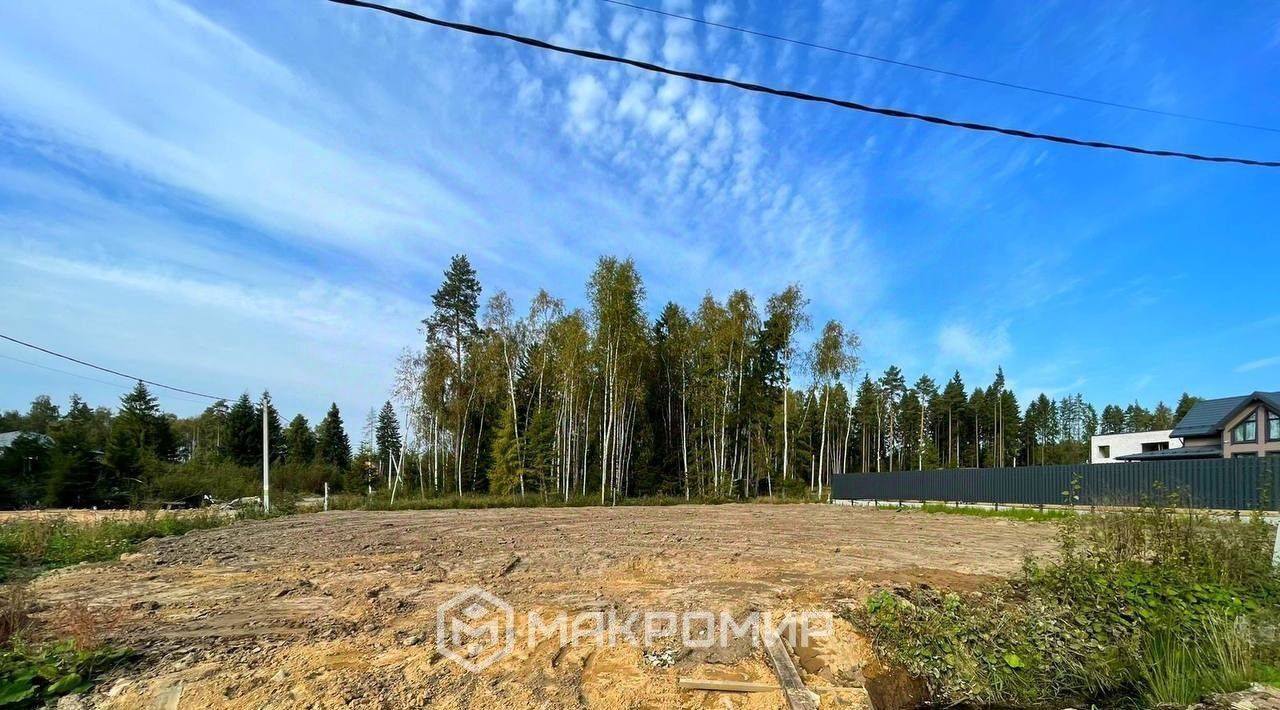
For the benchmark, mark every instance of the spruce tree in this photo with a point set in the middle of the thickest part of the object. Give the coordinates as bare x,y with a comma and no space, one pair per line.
1112,420
244,435
505,474
1185,403
332,445
275,432
387,433
299,441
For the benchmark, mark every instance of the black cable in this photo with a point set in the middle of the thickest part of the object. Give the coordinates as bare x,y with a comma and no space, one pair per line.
107,369
69,373
944,72
758,88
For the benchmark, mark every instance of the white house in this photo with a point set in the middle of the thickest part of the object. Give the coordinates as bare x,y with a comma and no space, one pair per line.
1107,448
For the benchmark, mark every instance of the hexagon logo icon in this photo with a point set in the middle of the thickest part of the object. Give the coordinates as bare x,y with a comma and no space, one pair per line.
475,629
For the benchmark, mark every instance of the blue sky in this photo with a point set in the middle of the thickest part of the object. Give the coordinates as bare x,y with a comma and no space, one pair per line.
238,196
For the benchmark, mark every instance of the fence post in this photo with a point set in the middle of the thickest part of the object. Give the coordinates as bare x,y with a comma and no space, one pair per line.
326,496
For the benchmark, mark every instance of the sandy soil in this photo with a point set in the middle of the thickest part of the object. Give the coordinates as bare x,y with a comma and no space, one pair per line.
339,609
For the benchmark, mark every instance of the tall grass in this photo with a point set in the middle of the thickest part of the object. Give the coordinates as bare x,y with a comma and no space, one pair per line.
1180,669
30,545
1023,514
1149,606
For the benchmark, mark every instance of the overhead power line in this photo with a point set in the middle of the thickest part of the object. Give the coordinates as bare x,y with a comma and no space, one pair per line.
77,375
943,72
802,96
78,361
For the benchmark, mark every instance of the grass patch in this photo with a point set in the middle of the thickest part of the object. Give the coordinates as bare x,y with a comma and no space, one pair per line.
1025,514
29,546
1180,669
1136,609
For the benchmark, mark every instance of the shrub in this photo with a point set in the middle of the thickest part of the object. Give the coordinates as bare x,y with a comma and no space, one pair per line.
1143,604
33,675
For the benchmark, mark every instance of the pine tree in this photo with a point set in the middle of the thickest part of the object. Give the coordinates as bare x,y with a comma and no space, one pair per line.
141,420
1112,420
275,432
1162,417
1185,403
1137,418
954,419
333,447
75,471
387,433
299,441
451,328
244,433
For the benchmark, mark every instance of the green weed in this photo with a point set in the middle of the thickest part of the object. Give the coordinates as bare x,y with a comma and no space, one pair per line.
1148,606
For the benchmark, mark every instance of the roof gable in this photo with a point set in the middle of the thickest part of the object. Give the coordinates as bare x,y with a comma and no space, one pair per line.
1208,417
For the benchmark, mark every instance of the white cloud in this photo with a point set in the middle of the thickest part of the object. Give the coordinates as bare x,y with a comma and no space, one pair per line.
718,12
183,123
678,49
983,348
586,97
1258,364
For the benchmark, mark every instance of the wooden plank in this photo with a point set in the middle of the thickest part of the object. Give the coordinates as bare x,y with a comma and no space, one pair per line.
726,686
797,696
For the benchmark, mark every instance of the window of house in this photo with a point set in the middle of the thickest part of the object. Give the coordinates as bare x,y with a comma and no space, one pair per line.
1104,452
1155,446
1244,455
1246,432
1273,426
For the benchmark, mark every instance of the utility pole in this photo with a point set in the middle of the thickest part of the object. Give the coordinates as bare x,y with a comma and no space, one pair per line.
266,458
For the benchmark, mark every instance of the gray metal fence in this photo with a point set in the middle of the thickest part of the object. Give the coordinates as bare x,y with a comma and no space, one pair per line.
1220,484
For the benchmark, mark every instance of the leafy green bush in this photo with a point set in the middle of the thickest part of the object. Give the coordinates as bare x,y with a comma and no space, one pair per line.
34,675
1101,621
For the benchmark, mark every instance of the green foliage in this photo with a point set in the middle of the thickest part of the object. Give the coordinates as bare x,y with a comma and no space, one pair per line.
299,441
1179,668
1025,514
387,433
31,545
332,445
1152,604
506,472
36,675
243,433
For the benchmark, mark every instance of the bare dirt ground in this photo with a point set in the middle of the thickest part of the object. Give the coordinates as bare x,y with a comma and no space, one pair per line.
339,609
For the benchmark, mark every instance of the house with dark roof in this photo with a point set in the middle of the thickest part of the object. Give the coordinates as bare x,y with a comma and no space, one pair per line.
1230,427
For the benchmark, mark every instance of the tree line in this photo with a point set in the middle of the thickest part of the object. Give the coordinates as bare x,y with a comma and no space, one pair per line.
94,456
729,398
711,401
